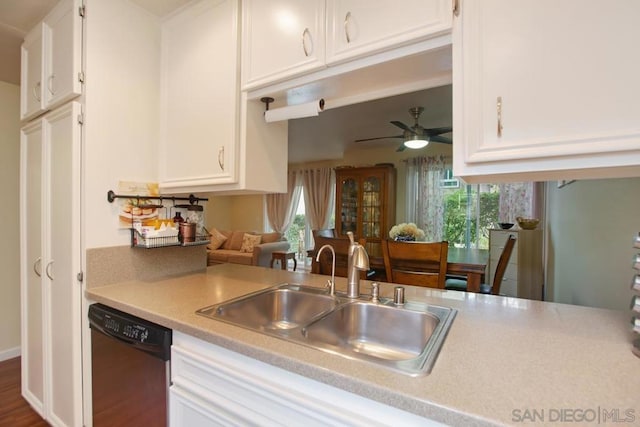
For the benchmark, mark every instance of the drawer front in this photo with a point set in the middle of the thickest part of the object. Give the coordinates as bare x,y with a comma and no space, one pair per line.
510,273
498,238
509,287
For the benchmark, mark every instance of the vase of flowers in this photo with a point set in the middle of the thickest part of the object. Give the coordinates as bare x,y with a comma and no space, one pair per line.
406,232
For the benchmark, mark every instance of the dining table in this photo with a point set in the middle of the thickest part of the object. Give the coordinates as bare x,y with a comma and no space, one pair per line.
470,263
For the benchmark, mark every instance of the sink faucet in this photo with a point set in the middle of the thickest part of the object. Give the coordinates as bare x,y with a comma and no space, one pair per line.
332,282
358,260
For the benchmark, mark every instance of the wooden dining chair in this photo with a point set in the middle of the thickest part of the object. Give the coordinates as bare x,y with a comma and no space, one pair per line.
416,263
485,288
341,247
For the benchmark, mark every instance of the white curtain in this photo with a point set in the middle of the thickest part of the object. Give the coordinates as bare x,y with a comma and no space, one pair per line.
319,185
424,196
516,199
281,208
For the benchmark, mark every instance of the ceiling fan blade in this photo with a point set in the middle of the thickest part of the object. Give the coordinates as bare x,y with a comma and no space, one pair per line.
402,126
401,148
381,137
443,139
438,131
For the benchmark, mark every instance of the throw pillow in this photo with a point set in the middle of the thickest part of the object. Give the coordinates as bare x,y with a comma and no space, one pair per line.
249,241
217,239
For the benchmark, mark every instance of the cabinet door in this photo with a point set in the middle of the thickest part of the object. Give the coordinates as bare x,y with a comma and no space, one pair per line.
31,103
359,27
348,197
51,254
372,206
199,96
545,86
31,267
63,47
62,255
281,39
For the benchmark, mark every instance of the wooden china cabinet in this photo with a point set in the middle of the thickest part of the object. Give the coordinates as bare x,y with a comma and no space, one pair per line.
366,203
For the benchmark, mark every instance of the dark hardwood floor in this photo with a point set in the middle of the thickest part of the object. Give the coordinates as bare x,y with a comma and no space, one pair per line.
14,410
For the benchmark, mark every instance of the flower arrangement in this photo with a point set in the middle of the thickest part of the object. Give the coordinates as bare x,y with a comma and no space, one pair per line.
406,231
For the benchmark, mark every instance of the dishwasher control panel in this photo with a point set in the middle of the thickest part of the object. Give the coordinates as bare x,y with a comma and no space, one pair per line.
148,336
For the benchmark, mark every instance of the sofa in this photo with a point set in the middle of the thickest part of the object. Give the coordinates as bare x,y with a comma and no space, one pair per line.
244,247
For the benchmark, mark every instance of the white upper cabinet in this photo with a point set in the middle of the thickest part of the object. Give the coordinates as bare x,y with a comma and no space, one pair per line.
63,45
281,39
199,95
212,138
360,27
546,89
52,60
31,74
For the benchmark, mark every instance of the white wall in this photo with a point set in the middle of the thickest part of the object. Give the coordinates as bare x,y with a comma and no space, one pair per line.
122,110
591,225
9,217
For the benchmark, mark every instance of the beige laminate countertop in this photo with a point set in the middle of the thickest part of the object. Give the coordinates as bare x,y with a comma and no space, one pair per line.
505,360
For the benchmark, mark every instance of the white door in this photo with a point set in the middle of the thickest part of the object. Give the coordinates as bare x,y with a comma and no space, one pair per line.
63,315
31,267
359,27
545,86
281,39
31,74
50,261
63,47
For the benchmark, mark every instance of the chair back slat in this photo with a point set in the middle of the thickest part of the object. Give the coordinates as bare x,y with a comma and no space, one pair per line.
503,262
416,263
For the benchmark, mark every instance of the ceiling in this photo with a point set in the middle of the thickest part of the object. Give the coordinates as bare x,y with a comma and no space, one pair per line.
324,137
17,17
333,132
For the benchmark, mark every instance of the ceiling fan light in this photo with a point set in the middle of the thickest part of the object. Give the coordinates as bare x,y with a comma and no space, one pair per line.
416,143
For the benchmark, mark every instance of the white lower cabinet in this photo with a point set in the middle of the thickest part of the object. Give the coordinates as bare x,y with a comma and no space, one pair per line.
214,386
50,254
524,276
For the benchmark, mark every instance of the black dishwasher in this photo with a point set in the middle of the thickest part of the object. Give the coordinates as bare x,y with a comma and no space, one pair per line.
130,360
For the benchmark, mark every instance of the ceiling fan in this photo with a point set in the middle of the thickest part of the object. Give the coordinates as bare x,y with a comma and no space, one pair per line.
416,136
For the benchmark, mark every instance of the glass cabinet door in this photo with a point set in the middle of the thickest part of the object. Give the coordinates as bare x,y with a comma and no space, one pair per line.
371,207
349,206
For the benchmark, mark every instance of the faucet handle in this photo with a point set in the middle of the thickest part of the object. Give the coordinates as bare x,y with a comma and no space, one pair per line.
332,287
375,292
398,295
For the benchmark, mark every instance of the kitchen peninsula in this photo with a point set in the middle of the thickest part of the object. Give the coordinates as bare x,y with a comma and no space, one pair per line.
504,360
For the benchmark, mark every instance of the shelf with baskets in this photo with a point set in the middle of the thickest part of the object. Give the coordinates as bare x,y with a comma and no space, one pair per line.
159,233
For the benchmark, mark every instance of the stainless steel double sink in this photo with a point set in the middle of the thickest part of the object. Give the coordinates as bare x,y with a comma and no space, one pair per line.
405,338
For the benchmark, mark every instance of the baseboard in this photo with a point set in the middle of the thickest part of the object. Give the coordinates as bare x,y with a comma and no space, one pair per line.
9,354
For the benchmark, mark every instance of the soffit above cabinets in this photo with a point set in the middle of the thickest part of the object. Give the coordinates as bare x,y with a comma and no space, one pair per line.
17,17
375,77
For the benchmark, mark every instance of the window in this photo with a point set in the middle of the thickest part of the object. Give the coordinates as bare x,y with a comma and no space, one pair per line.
448,209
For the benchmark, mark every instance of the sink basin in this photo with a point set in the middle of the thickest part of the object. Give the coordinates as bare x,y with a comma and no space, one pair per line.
285,307
406,339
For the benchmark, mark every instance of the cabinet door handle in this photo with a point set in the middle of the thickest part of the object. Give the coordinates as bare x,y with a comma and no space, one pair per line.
306,34
50,84
221,158
499,111
48,270
36,91
37,263
347,18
